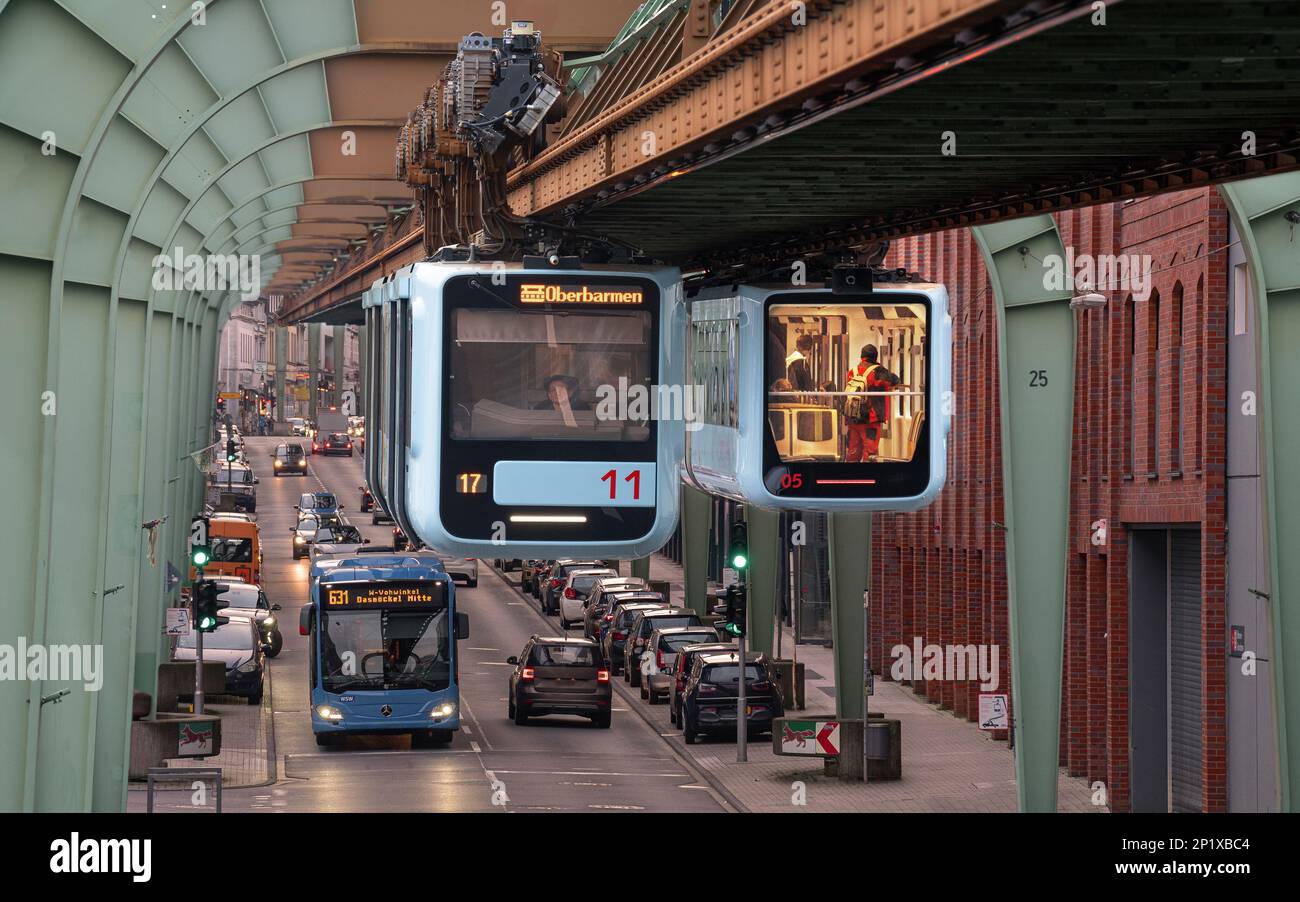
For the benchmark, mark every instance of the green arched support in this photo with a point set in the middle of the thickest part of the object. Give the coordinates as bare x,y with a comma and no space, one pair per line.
1036,332
1260,209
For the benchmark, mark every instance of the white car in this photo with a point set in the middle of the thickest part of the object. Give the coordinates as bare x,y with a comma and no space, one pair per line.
331,541
660,657
573,597
465,568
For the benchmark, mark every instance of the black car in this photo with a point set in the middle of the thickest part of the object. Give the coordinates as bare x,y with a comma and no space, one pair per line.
616,633
600,610
400,541
289,458
336,443
682,669
708,705
558,577
367,500
638,635
556,675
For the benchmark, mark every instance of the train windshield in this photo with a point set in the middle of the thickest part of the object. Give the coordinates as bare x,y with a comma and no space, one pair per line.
534,375
846,382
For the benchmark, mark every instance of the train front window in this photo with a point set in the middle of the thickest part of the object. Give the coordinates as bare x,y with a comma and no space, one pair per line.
533,375
846,381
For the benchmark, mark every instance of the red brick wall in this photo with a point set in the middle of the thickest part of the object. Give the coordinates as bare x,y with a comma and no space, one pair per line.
941,573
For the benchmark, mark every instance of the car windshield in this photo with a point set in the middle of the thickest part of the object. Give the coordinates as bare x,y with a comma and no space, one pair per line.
339,535
232,636
241,597
231,550
563,656
650,624
583,582
678,642
626,617
385,649
722,674
325,502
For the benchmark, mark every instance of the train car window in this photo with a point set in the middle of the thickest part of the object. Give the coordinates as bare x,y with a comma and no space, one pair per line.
869,411
531,375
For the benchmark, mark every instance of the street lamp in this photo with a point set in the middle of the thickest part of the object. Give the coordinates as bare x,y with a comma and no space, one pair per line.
1089,301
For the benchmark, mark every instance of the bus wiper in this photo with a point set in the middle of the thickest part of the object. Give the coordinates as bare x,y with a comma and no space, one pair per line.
424,682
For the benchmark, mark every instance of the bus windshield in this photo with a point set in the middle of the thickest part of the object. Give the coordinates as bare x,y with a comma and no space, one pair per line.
385,649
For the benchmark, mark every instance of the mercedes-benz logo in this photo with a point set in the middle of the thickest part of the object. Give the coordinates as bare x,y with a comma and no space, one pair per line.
386,710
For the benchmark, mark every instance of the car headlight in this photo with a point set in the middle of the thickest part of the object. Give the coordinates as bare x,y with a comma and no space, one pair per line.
248,667
297,540
327,712
446,709
269,621
276,464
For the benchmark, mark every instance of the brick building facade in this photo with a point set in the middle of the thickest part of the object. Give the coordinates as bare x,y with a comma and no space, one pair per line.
1149,453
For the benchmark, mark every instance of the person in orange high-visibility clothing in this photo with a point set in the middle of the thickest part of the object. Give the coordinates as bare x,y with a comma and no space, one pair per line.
864,417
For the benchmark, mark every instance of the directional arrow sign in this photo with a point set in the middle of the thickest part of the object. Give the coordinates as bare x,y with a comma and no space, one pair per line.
828,737
820,738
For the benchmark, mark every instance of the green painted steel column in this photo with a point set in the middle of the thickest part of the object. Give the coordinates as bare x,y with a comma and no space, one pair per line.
850,560
765,545
1036,344
1260,209
313,368
695,548
340,337
641,568
281,371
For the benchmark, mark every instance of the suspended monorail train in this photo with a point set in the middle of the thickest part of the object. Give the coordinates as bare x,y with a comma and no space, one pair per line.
496,401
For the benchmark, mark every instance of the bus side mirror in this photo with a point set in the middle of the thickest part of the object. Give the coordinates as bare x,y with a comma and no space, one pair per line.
462,625
275,607
304,620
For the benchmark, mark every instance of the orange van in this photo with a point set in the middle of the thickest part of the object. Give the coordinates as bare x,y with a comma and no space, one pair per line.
236,549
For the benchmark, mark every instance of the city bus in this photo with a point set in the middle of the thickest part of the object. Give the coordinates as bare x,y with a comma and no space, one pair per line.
382,652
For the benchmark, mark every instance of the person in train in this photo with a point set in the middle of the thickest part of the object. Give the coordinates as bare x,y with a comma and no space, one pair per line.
561,395
866,416
782,385
796,365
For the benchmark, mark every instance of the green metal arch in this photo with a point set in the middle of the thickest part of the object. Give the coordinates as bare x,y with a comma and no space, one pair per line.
1036,331
1260,210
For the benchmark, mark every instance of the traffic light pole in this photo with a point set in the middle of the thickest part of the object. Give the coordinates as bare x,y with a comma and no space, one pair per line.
198,642
742,721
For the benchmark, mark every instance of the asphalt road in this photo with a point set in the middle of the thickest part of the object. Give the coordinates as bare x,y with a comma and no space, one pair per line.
556,763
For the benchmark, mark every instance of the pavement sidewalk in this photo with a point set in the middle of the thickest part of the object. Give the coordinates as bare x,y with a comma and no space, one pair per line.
948,764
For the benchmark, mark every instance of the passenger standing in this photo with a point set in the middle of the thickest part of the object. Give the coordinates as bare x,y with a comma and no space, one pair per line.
866,416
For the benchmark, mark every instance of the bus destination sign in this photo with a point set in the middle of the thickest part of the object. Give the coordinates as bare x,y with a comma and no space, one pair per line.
385,594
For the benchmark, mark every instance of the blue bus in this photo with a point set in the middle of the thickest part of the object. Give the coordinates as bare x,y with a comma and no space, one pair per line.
383,652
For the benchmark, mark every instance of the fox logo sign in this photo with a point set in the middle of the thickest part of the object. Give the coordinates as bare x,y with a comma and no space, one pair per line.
798,737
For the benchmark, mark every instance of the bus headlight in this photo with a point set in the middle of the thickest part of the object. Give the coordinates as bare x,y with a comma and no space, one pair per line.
446,709
326,712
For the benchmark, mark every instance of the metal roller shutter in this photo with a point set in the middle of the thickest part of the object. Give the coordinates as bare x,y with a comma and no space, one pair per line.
1186,711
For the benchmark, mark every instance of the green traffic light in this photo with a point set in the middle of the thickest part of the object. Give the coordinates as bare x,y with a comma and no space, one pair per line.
739,561
207,623
200,558
733,628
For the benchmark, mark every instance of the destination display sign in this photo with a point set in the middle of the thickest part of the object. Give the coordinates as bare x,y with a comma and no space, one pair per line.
534,293
385,594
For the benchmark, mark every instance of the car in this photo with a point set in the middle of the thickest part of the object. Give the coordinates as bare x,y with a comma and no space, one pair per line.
601,601
620,621
559,675
465,568
367,500
317,503
289,458
541,573
297,425
327,531
236,484
334,443
555,582
686,656
378,514
573,596
708,705
335,539
638,636
527,572
237,644
661,657
400,541
248,600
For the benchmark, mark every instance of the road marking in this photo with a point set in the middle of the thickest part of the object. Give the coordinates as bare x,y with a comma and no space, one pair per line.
473,648
495,664
514,604
474,746
588,773
619,807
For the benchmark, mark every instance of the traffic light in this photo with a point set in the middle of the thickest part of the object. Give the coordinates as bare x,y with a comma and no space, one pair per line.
738,552
231,454
221,404
207,602
736,602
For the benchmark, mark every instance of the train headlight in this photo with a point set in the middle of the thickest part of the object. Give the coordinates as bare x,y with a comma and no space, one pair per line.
444,710
327,712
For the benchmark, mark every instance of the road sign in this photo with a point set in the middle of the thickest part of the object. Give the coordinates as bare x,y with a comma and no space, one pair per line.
993,711
178,622
260,368
819,738
229,395
195,740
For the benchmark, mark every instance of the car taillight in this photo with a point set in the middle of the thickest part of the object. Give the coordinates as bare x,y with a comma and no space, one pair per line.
618,635
659,658
555,582
570,592
349,444
315,447
602,676
526,673
608,618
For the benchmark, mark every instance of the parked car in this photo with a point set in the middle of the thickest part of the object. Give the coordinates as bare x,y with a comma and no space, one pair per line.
540,577
709,697
559,675
248,600
289,458
237,644
638,636
600,605
686,656
660,657
620,622
527,572
573,597
555,583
